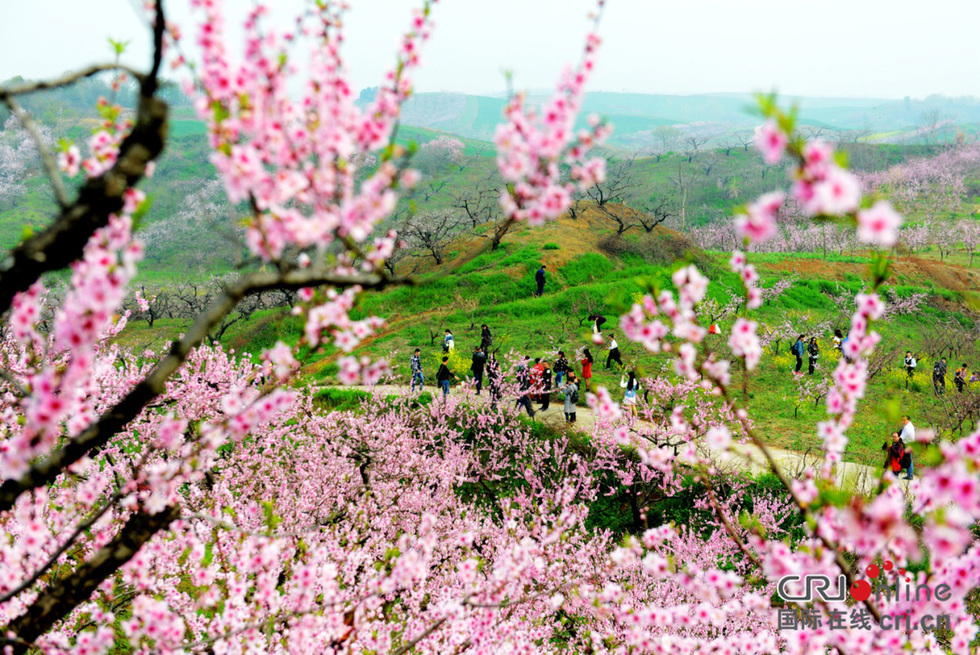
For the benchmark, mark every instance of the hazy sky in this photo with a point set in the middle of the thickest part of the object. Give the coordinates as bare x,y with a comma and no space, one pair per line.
867,48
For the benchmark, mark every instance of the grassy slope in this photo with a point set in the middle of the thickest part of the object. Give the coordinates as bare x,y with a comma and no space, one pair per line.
497,289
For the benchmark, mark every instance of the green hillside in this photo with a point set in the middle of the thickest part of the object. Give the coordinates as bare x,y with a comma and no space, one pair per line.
479,286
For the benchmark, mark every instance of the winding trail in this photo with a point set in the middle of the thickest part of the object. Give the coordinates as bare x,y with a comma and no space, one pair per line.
746,457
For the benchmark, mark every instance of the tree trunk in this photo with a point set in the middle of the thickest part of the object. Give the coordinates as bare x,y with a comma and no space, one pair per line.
60,598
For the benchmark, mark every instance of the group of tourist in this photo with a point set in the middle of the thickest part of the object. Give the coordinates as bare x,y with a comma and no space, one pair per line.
536,381
810,349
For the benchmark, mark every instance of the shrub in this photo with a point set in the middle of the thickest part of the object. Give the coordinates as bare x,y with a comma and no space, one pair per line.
334,399
552,246
586,268
660,248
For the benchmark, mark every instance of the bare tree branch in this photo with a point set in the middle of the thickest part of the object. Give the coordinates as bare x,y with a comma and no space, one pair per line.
115,419
82,527
64,240
62,596
65,80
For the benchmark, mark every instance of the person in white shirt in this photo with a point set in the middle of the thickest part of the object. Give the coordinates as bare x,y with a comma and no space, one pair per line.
614,355
910,365
908,431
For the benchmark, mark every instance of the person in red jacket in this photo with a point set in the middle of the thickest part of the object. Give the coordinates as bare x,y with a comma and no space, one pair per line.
537,373
587,370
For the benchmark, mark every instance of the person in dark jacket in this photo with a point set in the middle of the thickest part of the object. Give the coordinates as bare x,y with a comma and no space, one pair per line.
493,380
539,278
561,368
444,375
571,397
545,386
939,377
798,349
813,352
960,378
479,361
524,384
416,364
597,322
895,450
486,339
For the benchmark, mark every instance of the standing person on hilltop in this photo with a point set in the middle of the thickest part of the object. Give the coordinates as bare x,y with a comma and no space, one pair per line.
416,364
539,278
561,368
586,362
546,386
910,365
524,384
493,380
798,350
448,342
614,355
571,397
959,378
597,322
939,377
813,352
479,361
486,339
443,377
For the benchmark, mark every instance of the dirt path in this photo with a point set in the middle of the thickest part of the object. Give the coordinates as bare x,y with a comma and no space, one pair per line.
747,456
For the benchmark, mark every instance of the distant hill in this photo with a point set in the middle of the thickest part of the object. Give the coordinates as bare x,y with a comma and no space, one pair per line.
714,115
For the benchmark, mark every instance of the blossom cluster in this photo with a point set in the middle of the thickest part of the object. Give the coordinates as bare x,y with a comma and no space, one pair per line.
532,146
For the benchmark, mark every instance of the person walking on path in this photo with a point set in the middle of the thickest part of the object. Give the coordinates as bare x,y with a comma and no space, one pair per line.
416,364
493,380
910,365
524,385
813,352
546,386
632,387
586,362
571,398
907,435
798,350
959,378
479,361
597,322
895,451
939,377
537,372
486,339
448,342
614,355
539,278
561,368
443,377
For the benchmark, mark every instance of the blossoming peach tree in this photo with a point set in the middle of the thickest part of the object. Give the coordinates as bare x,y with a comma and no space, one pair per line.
192,501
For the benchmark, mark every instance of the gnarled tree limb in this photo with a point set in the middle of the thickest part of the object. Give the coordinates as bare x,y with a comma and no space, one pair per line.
115,420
